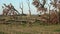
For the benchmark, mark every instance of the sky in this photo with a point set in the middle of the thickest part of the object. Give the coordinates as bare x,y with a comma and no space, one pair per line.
17,3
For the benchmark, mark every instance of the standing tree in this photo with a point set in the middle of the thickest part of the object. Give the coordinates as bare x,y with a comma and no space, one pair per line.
29,7
53,16
56,4
21,7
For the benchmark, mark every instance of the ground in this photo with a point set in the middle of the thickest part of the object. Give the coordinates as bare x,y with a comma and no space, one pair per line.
35,28
26,29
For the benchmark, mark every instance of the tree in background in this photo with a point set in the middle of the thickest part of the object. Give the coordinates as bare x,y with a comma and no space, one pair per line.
21,7
29,7
56,4
40,5
53,15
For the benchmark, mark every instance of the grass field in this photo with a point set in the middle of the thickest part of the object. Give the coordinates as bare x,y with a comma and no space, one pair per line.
36,28
26,29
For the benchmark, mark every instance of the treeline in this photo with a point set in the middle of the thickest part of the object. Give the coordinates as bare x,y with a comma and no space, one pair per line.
53,16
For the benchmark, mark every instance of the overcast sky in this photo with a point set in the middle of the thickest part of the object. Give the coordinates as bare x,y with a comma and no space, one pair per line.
16,4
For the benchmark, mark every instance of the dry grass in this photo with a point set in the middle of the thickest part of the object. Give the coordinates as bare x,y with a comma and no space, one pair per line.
20,29
26,29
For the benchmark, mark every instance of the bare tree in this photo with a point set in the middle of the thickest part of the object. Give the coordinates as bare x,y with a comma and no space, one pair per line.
10,10
39,5
21,7
29,7
56,4
53,17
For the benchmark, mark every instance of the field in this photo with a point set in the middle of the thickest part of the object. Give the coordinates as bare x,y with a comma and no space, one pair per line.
13,26
25,29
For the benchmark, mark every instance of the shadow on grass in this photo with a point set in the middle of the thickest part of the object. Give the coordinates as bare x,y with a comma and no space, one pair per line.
22,33
3,33
57,30
15,32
